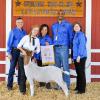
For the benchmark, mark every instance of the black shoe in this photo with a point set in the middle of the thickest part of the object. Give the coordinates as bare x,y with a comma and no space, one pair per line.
42,84
9,88
75,89
57,88
78,92
48,86
23,93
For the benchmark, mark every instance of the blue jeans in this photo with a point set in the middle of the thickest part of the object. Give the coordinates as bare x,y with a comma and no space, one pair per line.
15,55
61,60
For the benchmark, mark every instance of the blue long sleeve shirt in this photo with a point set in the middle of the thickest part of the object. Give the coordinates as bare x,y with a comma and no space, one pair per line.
15,36
79,45
62,33
43,41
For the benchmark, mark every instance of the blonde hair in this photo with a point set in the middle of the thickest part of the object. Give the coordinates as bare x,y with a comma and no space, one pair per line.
34,26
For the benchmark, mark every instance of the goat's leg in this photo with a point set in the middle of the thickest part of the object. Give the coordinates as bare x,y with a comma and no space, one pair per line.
31,86
63,85
64,88
26,69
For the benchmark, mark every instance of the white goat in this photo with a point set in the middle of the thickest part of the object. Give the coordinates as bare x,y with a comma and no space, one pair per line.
45,74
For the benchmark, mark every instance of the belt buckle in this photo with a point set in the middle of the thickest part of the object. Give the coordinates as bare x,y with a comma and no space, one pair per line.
16,49
58,45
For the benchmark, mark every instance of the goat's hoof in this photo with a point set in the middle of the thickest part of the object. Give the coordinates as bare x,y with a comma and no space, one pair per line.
66,94
32,94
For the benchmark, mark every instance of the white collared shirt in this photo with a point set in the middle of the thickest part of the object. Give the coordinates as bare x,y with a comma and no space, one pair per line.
27,44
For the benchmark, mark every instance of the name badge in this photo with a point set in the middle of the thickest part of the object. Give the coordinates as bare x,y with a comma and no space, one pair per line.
56,38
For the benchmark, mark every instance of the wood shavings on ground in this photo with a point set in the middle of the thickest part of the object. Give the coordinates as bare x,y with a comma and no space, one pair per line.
41,93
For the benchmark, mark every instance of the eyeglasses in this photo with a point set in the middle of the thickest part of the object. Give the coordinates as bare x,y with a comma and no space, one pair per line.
19,22
36,30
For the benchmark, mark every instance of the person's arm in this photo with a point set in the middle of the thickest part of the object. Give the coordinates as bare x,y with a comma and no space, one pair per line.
52,35
9,44
38,47
82,45
71,35
21,43
49,41
22,50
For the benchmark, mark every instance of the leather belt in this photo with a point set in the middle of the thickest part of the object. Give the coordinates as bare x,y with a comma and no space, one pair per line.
58,45
15,49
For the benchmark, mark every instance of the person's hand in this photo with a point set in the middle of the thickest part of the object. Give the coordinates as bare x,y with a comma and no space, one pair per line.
34,60
78,59
70,51
24,53
70,61
46,43
9,56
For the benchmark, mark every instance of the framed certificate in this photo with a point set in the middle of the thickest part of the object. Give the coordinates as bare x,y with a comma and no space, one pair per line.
47,54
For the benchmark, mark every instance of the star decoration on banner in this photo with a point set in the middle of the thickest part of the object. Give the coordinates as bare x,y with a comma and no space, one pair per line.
79,4
18,3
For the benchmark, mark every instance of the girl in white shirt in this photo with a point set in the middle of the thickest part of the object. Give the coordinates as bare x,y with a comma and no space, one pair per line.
29,44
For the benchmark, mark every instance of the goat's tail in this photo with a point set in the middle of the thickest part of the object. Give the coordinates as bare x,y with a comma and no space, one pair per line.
66,72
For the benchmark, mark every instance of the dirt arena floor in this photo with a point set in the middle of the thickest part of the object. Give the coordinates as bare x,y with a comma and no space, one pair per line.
41,93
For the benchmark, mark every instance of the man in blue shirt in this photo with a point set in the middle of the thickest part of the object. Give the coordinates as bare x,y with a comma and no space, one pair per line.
15,36
62,39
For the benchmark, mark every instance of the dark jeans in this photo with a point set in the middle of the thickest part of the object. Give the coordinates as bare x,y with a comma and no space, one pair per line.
81,78
13,62
21,75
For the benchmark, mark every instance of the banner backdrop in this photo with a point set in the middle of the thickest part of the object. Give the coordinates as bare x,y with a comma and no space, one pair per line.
72,8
